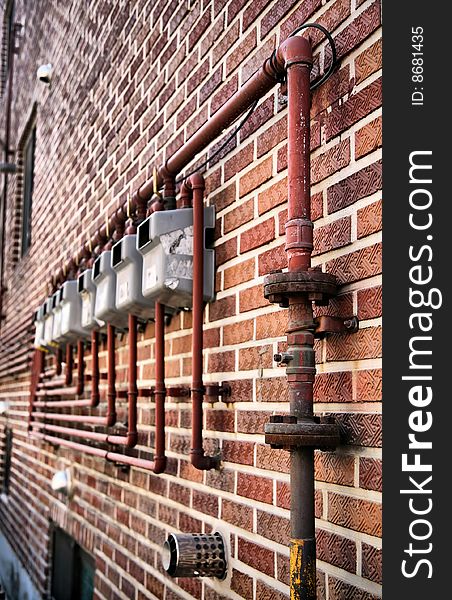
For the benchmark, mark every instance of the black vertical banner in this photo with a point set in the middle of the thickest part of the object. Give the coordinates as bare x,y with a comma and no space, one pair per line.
417,269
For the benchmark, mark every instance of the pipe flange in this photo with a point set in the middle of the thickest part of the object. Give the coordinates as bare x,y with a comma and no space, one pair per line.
288,435
318,286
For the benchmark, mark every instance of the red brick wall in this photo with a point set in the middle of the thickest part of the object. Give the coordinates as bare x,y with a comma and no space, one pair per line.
133,81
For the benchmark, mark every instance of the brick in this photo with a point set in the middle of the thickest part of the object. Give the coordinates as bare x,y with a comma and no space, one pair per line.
272,136
273,196
331,236
329,162
243,50
273,527
368,138
239,273
239,161
238,216
354,109
277,12
333,387
219,420
257,488
256,556
372,563
252,298
369,303
242,584
222,362
270,260
357,265
370,474
334,468
251,421
205,503
358,30
330,19
341,590
270,459
369,219
360,429
238,452
255,177
237,514
365,343
336,550
225,251
355,513
266,592
237,333
271,325
369,385
224,197
328,94
368,62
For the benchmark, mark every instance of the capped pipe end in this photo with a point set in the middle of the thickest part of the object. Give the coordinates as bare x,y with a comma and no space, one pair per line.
195,555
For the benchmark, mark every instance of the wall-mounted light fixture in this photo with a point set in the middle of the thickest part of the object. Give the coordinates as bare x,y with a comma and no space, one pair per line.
62,482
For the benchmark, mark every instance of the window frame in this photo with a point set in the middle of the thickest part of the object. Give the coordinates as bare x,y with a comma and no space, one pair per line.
28,156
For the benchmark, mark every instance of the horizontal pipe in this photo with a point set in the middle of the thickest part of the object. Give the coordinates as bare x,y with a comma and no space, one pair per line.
62,403
88,435
71,418
149,465
255,88
46,393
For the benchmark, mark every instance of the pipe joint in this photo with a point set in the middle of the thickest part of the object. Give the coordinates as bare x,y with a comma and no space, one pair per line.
202,462
294,50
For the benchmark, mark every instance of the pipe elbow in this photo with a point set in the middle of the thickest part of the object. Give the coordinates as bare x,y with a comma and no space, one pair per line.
295,49
111,419
131,439
159,464
95,399
202,462
196,181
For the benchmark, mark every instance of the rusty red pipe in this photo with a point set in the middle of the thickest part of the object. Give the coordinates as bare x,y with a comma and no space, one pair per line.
254,89
158,465
297,54
299,228
198,458
80,367
95,397
58,360
111,375
130,440
36,370
69,364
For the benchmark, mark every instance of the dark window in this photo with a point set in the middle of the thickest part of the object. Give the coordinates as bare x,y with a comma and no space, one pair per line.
7,459
8,40
29,163
72,569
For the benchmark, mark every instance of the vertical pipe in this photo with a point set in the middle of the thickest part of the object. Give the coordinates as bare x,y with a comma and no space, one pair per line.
69,364
299,228
80,367
160,392
198,459
95,398
300,332
132,392
111,373
58,358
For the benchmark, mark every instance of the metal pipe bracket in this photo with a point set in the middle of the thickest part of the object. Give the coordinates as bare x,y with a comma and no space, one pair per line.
287,433
319,287
327,325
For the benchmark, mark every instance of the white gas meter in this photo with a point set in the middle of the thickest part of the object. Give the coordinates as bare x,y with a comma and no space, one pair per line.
165,240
